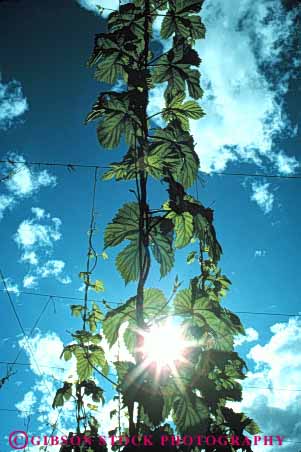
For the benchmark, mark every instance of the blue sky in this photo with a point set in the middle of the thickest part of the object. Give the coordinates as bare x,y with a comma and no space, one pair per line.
249,72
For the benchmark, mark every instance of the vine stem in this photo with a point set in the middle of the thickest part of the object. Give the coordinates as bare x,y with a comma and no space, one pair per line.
91,252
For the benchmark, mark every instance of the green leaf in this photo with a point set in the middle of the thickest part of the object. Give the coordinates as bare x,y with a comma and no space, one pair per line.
123,368
206,234
111,67
191,257
182,111
125,225
116,118
124,170
128,262
90,388
115,318
110,130
99,286
179,20
95,316
83,367
183,224
76,309
161,246
253,428
184,306
67,352
63,394
174,151
129,338
154,302
189,413
86,358
175,69
98,358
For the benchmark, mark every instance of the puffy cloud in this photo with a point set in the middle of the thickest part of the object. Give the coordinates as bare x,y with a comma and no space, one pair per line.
286,165
13,104
31,234
271,392
54,268
262,196
245,46
30,257
22,182
43,353
6,202
44,357
12,287
251,336
36,238
30,282
38,212
27,404
25,182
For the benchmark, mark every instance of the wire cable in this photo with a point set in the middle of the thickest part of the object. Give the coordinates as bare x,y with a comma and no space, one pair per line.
72,166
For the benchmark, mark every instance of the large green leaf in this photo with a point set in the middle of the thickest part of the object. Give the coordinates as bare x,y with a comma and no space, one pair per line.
189,412
63,394
128,261
115,318
94,317
174,150
183,224
110,57
129,19
125,225
153,303
161,246
116,118
175,68
83,366
124,170
206,234
182,111
91,389
180,20
185,307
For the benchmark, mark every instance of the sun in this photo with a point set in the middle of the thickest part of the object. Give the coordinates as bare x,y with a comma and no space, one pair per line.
164,345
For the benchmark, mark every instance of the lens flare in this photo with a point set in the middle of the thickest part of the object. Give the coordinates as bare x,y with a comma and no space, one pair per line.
164,345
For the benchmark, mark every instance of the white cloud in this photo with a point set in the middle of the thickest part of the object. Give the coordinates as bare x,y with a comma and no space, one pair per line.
6,202
38,212
262,196
51,268
36,238
27,404
30,257
243,102
286,165
22,182
30,234
25,182
251,336
270,393
45,350
30,281
12,287
13,104
43,353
